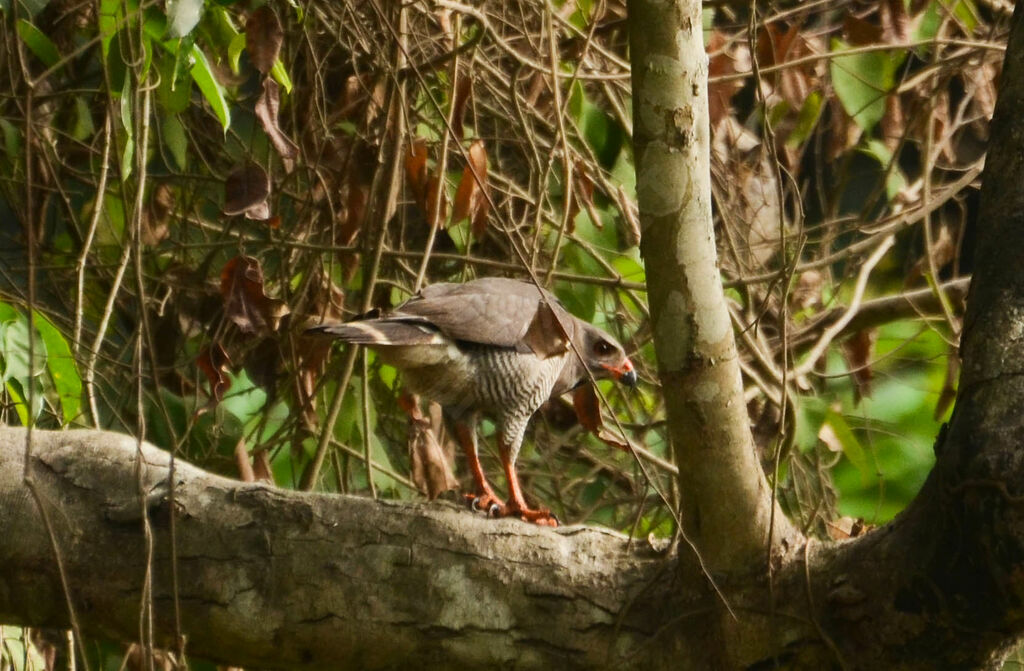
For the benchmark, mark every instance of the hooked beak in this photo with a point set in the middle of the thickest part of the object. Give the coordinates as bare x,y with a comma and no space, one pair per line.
625,374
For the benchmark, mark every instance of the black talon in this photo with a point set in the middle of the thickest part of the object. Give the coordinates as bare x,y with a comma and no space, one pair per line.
493,510
474,503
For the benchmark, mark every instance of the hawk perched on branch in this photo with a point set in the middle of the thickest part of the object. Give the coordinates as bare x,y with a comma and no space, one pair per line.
496,346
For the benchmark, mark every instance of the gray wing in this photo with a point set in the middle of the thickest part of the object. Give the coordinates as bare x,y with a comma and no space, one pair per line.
493,311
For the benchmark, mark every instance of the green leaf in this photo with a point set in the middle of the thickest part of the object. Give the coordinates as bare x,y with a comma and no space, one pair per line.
83,127
128,152
280,75
18,371
210,87
175,139
863,80
15,653
12,141
244,400
235,49
895,181
933,16
851,446
61,366
175,91
806,120
110,14
38,43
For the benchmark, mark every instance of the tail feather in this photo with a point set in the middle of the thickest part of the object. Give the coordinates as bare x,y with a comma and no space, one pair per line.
381,332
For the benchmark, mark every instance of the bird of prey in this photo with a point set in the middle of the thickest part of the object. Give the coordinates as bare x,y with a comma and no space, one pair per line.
496,346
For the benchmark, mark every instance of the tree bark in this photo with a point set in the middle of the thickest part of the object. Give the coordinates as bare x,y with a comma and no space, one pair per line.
283,579
697,358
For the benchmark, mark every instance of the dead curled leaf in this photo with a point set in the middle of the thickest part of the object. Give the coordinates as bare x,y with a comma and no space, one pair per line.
246,191
213,361
432,470
267,107
416,170
155,219
263,38
471,196
245,302
858,350
588,411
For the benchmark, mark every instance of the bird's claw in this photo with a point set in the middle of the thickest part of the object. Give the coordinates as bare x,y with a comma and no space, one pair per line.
494,508
486,503
542,517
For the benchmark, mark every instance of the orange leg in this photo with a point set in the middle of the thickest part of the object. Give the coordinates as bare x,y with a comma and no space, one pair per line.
516,505
484,498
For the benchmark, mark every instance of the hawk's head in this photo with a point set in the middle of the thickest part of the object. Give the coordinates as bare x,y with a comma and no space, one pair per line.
604,356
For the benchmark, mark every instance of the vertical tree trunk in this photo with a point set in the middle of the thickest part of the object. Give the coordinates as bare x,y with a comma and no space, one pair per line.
726,504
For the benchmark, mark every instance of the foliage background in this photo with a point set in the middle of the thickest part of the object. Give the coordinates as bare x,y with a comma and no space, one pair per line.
186,186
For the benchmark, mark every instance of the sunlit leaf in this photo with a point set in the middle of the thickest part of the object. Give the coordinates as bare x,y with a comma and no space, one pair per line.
182,16
210,87
235,49
17,369
471,196
38,43
62,368
895,181
863,80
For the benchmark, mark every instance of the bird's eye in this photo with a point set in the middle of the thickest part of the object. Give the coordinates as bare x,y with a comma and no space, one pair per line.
603,348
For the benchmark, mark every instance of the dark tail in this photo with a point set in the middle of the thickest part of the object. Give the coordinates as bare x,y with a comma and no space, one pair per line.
380,332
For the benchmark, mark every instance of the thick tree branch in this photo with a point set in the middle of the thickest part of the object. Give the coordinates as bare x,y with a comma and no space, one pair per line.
282,579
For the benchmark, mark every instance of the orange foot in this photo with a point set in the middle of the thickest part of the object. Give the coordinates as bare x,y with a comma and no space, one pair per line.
490,504
539,516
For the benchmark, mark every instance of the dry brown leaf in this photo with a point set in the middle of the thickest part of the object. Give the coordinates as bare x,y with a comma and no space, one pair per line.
720,64
844,528
432,470
214,363
246,191
46,642
807,291
792,84
267,107
263,38
416,170
858,350
470,197
860,32
588,411
310,353
896,22
155,220
245,302
827,436
355,210
433,191
135,659
463,92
